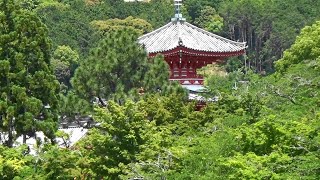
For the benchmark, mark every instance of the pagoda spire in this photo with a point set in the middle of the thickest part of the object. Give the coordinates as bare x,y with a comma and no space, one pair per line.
178,14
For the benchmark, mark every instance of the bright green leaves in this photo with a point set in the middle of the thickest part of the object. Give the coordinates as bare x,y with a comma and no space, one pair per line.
137,25
280,142
125,132
14,164
292,151
297,83
261,138
251,166
305,48
59,163
135,135
51,163
66,54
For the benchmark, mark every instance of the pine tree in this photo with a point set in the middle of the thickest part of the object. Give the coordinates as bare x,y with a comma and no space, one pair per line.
119,68
28,89
157,72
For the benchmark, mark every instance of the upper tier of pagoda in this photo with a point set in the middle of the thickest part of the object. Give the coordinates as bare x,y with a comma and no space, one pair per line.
191,39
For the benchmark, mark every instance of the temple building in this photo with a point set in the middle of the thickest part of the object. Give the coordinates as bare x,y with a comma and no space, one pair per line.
187,48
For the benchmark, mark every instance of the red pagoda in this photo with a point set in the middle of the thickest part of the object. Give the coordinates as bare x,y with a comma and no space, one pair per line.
187,48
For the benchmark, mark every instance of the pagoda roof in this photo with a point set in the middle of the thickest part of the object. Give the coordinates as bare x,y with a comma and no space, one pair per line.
180,33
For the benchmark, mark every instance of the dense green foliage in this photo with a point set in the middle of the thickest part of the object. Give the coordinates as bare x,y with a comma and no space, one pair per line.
268,27
140,26
64,62
261,127
28,88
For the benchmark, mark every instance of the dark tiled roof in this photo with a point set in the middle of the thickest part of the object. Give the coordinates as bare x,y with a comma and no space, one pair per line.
168,37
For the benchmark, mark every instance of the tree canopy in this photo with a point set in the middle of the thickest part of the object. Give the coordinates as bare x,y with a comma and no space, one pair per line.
28,88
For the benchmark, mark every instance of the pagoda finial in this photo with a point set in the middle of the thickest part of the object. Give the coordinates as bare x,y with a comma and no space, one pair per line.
178,14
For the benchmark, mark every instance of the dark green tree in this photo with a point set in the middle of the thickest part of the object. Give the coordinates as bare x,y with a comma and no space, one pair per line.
268,27
157,72
68,25
72,107
113,69
28,88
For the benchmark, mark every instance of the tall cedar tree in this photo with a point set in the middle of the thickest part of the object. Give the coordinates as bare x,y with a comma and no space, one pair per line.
28,89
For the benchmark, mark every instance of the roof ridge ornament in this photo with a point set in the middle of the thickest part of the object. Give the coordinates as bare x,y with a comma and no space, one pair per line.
178,14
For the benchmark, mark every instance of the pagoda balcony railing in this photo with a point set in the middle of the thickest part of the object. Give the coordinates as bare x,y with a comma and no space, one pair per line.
188,81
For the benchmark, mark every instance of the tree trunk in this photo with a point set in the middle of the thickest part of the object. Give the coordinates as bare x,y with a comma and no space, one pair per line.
10,134
102,102
24,139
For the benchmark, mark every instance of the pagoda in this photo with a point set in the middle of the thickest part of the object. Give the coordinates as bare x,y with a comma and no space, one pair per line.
187,48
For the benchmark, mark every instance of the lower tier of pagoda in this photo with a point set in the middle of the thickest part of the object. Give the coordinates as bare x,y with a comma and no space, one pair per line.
188,81
184,63
183,67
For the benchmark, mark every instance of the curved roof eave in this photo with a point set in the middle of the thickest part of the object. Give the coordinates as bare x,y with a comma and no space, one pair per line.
169,37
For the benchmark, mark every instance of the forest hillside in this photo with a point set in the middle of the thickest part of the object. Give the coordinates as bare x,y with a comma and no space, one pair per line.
65,60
